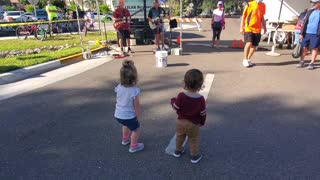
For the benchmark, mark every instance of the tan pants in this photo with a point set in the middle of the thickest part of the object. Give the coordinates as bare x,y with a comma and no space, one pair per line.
186,128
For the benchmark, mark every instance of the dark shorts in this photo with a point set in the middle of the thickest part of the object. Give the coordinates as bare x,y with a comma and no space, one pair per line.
123,34
254,38
157,30
311,40
133,124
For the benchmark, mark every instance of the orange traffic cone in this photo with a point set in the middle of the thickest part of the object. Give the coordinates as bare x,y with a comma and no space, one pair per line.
178,40
234,44
241,44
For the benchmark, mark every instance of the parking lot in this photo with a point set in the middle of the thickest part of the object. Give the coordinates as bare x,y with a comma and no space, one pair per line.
262,122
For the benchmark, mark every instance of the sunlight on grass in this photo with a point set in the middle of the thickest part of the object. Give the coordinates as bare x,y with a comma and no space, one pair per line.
12,63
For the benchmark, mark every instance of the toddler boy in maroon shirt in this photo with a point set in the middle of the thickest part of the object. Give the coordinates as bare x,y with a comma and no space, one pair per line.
191,109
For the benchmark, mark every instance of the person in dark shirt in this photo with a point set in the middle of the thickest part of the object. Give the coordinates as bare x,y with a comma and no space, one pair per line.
155,17
298,27
191,109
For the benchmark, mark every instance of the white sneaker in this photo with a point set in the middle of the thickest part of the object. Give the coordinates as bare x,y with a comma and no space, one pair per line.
245,63
250,63
139,147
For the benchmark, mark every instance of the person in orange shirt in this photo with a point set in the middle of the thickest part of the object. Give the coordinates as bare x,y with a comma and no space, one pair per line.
251,25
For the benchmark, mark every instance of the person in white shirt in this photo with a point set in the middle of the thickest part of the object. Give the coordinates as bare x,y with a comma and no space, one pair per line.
217,24
128,110
89,17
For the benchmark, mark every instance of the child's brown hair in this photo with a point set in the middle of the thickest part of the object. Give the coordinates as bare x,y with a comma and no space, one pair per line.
128,74
193,80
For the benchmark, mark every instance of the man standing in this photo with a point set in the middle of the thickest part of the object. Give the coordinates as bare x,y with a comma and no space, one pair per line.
251,25
52,14
310,34
155,16
122,25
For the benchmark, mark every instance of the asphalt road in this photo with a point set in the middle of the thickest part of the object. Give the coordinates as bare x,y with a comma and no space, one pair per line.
263,122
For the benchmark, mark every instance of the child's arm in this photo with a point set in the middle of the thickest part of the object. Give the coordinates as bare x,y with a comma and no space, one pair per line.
203,112
137,107
175,102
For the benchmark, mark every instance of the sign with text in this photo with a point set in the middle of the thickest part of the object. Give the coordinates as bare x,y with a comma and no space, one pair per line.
34,2
135,5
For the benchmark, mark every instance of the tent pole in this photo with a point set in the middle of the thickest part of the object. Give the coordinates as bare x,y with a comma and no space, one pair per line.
181,27
280,11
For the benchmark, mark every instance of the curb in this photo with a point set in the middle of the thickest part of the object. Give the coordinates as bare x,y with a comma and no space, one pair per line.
23,73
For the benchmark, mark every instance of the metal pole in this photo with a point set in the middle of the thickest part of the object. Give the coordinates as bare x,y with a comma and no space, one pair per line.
145,19
280,11
79,30
180,27
35,11
98,11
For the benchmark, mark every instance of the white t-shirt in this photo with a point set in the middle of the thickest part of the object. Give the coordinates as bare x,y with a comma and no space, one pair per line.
217,15
124,105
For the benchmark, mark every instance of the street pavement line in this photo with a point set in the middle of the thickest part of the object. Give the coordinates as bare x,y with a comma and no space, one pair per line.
14,89
204,92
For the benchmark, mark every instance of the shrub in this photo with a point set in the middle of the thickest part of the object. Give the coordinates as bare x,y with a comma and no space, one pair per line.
10,8
104,8
29,8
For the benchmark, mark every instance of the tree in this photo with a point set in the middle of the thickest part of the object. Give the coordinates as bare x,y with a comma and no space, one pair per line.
207,5
29,8
60,4
104,8
91,4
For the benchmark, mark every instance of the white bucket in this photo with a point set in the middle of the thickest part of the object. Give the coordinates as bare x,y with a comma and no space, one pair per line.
161,58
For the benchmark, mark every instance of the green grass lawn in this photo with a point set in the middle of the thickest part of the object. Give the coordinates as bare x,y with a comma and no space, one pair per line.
12,63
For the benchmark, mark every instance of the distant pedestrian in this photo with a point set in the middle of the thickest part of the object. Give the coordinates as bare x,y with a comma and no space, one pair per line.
89,18
52,12
298,27
191,110
252,23
128,110
217,24
310,34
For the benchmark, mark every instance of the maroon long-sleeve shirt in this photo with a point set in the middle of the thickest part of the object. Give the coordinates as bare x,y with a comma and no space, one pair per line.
191,107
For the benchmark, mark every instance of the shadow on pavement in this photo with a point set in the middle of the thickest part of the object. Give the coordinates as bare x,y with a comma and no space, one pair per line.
277,64
178,64
186,35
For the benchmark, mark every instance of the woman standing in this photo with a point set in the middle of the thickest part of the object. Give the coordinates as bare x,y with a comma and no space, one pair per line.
217,24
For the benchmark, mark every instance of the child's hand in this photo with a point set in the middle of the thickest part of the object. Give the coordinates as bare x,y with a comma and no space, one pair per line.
173,100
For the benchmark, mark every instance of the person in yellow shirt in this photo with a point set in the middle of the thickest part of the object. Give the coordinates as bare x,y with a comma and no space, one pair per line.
251,25
52,14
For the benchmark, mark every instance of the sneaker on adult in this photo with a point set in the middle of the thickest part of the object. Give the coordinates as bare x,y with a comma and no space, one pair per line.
301,64
125,142
178,153
137,147
251,63
245,63
130,50
311,66
196,159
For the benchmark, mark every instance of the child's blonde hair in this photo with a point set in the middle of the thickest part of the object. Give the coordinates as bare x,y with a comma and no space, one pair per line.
128,74
193,80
